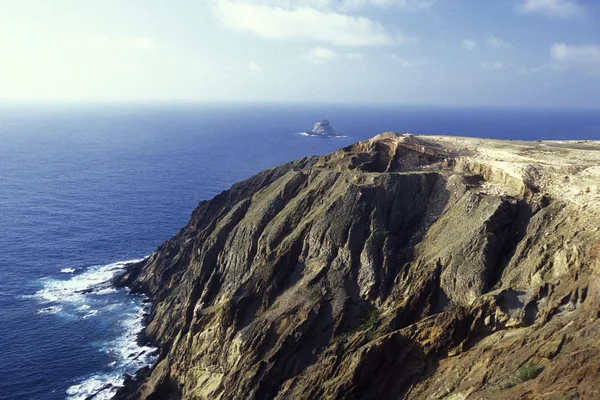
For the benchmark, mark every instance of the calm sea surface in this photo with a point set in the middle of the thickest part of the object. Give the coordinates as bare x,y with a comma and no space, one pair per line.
83,189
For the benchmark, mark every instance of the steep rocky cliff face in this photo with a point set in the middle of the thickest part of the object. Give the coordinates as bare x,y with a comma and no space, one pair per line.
399,267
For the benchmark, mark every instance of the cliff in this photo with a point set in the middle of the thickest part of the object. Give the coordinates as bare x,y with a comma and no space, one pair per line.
416,267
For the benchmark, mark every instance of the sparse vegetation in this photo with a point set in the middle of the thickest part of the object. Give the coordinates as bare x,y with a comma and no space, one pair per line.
338,339
369,322
314,294
526,373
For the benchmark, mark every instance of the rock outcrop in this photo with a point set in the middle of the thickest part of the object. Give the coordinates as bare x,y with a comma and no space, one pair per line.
404,266
322,128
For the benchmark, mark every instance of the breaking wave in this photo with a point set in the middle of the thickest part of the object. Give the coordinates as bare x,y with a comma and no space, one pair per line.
90,294
332,136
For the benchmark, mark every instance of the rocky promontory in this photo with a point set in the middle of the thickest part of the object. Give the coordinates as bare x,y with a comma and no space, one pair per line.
401,267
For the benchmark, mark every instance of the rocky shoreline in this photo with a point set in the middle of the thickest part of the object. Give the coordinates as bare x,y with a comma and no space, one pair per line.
133,382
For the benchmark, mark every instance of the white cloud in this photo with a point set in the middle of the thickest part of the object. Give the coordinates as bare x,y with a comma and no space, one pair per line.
586,56
255,67
469,44
497,43
563,57
321,55
408,5
410,63
551,8
347,5
492,66
302,23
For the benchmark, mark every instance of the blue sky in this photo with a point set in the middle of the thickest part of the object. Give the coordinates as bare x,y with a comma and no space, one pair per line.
538,53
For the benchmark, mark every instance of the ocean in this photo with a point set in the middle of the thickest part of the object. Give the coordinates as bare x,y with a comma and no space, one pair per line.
85,189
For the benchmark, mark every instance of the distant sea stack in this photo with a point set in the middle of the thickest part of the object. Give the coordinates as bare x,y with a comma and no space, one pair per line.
400,267
323,128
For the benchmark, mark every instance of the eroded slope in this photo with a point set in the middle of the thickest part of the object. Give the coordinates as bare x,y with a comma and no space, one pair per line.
400,267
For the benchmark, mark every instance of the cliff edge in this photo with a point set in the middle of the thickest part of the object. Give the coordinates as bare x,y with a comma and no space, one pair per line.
405,266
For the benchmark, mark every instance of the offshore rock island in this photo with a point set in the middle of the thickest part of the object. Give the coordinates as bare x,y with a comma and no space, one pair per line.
401,267
323,128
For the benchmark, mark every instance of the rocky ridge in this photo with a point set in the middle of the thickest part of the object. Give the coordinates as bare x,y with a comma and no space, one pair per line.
416,267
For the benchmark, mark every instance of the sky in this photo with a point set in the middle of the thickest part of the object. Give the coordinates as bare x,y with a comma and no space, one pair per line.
506,53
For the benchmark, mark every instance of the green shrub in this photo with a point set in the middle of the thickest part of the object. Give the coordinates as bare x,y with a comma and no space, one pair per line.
528,371
369,322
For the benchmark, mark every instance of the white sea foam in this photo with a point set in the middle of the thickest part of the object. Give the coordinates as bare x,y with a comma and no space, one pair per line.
50,310
72,293
105,291
90,313
87,294
97,387
332,136
128,357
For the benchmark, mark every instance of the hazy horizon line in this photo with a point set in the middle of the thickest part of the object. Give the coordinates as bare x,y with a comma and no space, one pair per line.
273,103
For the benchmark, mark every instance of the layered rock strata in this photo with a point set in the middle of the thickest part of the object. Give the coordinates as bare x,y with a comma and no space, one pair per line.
401,267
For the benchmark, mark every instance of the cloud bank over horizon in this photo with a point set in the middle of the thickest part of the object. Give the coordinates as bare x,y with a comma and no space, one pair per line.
523,52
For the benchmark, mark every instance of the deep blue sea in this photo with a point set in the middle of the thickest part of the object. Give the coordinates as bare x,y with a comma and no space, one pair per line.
85,188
